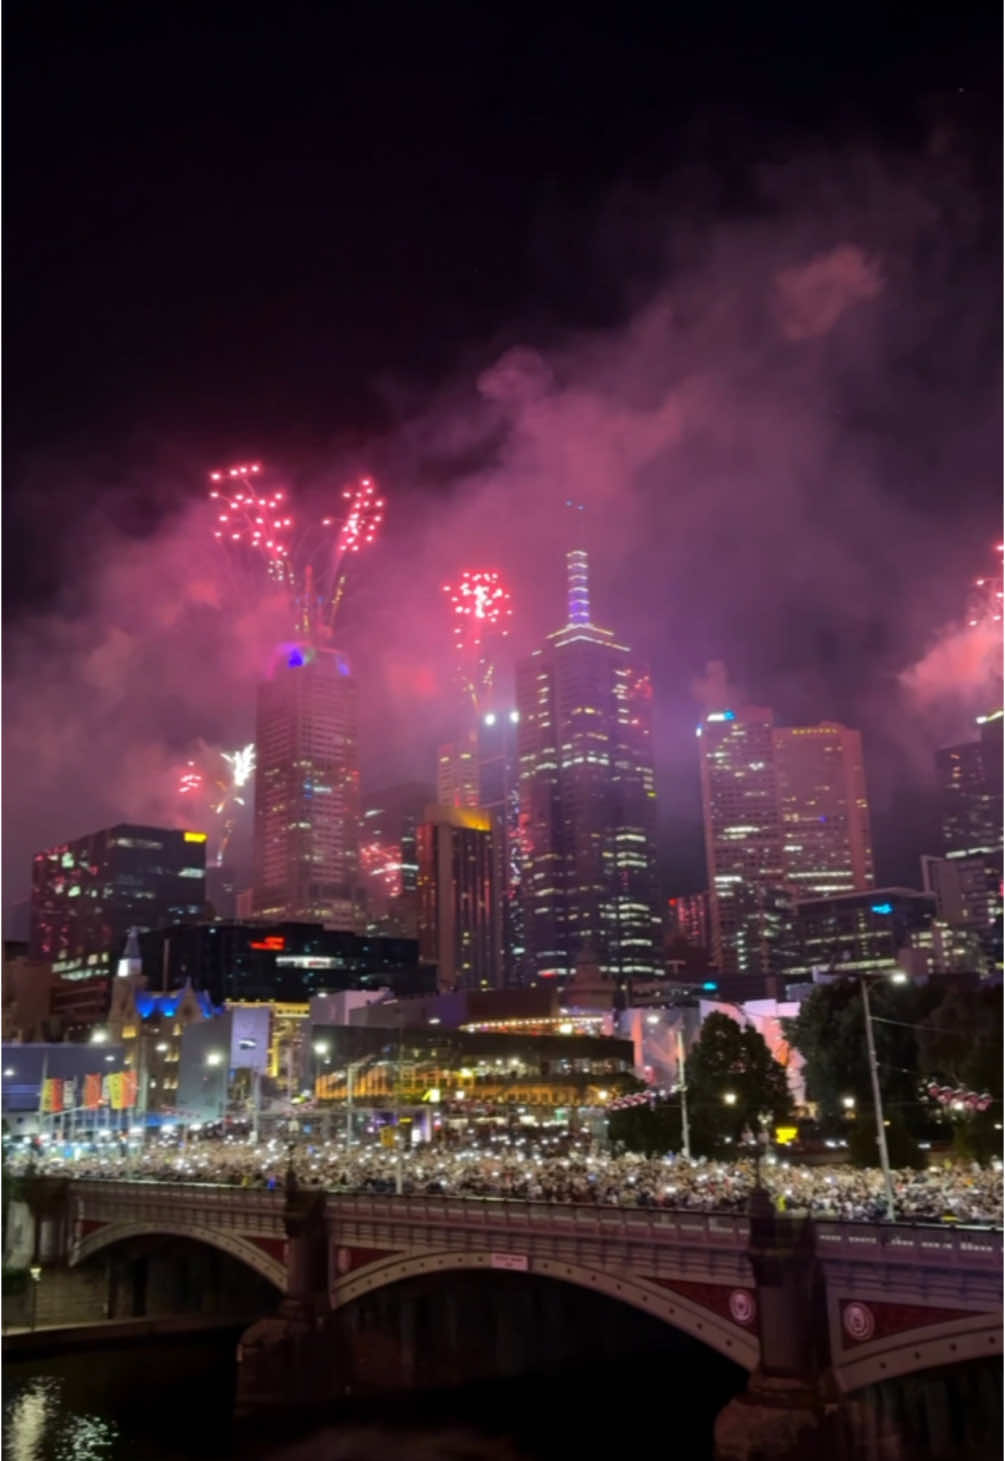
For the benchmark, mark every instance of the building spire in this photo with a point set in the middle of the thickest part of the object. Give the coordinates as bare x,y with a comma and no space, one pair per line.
130,962
577,566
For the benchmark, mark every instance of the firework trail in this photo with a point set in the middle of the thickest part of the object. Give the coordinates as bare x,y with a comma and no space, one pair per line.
364,515
480,610
303,561
984,605
381,863
218,780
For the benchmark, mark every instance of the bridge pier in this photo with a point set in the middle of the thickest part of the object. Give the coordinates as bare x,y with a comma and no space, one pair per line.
782,1413
280,1363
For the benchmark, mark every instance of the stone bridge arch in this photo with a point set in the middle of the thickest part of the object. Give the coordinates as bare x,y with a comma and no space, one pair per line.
244,1250
729,1339
933,1347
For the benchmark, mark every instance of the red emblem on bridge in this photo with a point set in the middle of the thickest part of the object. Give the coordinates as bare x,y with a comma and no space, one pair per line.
742,1306
859,1322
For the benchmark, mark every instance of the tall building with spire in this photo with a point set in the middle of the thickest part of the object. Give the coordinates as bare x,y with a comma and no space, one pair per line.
307,808
587,800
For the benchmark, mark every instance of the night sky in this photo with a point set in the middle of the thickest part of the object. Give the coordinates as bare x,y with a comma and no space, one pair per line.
730,277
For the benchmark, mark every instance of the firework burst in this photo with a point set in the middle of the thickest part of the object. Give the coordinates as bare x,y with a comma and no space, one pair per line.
984,604
480,611
309,563
217,781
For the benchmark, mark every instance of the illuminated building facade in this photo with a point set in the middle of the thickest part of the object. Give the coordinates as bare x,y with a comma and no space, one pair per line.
824,809
389,858
87,894
288,962
457,773
857,933
970,786
499,794
743,838
307,810
587,800
687,919
459,928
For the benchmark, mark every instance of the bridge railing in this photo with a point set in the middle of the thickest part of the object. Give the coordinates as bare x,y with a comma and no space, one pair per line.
915,1245
925,1244
650,1224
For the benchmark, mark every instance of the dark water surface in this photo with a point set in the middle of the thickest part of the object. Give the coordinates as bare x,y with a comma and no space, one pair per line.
172,1399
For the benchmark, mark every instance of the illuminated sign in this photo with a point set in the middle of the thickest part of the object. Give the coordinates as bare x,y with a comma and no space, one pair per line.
786,1134
272,943
882,908
195,836
721,715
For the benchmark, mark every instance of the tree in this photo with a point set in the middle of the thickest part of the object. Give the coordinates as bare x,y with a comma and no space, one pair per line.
651,1130
732,1081
960,1044
829,1033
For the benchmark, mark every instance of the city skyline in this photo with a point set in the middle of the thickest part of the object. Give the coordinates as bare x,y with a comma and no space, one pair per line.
462,758
709,357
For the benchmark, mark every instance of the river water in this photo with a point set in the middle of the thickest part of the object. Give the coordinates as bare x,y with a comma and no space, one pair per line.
172,1400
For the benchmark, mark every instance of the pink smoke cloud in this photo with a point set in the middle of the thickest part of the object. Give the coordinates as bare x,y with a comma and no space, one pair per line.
812,297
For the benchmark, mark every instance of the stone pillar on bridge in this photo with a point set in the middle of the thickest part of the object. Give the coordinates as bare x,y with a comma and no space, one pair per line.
781,1415
280,1362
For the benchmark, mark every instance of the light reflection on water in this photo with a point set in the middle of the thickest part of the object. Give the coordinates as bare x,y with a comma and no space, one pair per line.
39,1426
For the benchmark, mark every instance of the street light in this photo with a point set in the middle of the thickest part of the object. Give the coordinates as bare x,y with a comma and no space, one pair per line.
884,1155
35,1274
214,1060
99,1037
848,1102
730,1098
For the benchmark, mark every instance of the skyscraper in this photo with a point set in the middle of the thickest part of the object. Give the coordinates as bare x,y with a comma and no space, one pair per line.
458,905
87,894
786,818
970,785
743,837
389,857
499,794
826,840
968,881
307,791
587,799
457,772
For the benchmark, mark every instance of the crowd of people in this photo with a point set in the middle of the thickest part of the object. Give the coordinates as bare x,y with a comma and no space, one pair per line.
526,1170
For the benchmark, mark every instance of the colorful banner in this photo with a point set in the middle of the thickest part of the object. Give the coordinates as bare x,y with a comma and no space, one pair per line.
52,1095
69,1095
92,1092
128,1089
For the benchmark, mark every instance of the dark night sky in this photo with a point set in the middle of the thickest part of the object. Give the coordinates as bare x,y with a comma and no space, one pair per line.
306,235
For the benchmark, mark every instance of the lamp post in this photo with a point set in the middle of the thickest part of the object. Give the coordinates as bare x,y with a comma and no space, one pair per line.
685,1130
321,1049
884,1155
35,1274
214,1060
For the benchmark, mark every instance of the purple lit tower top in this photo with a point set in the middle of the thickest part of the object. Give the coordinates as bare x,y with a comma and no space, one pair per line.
577,566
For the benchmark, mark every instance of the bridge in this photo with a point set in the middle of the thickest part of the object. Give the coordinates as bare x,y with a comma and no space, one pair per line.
815,1307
